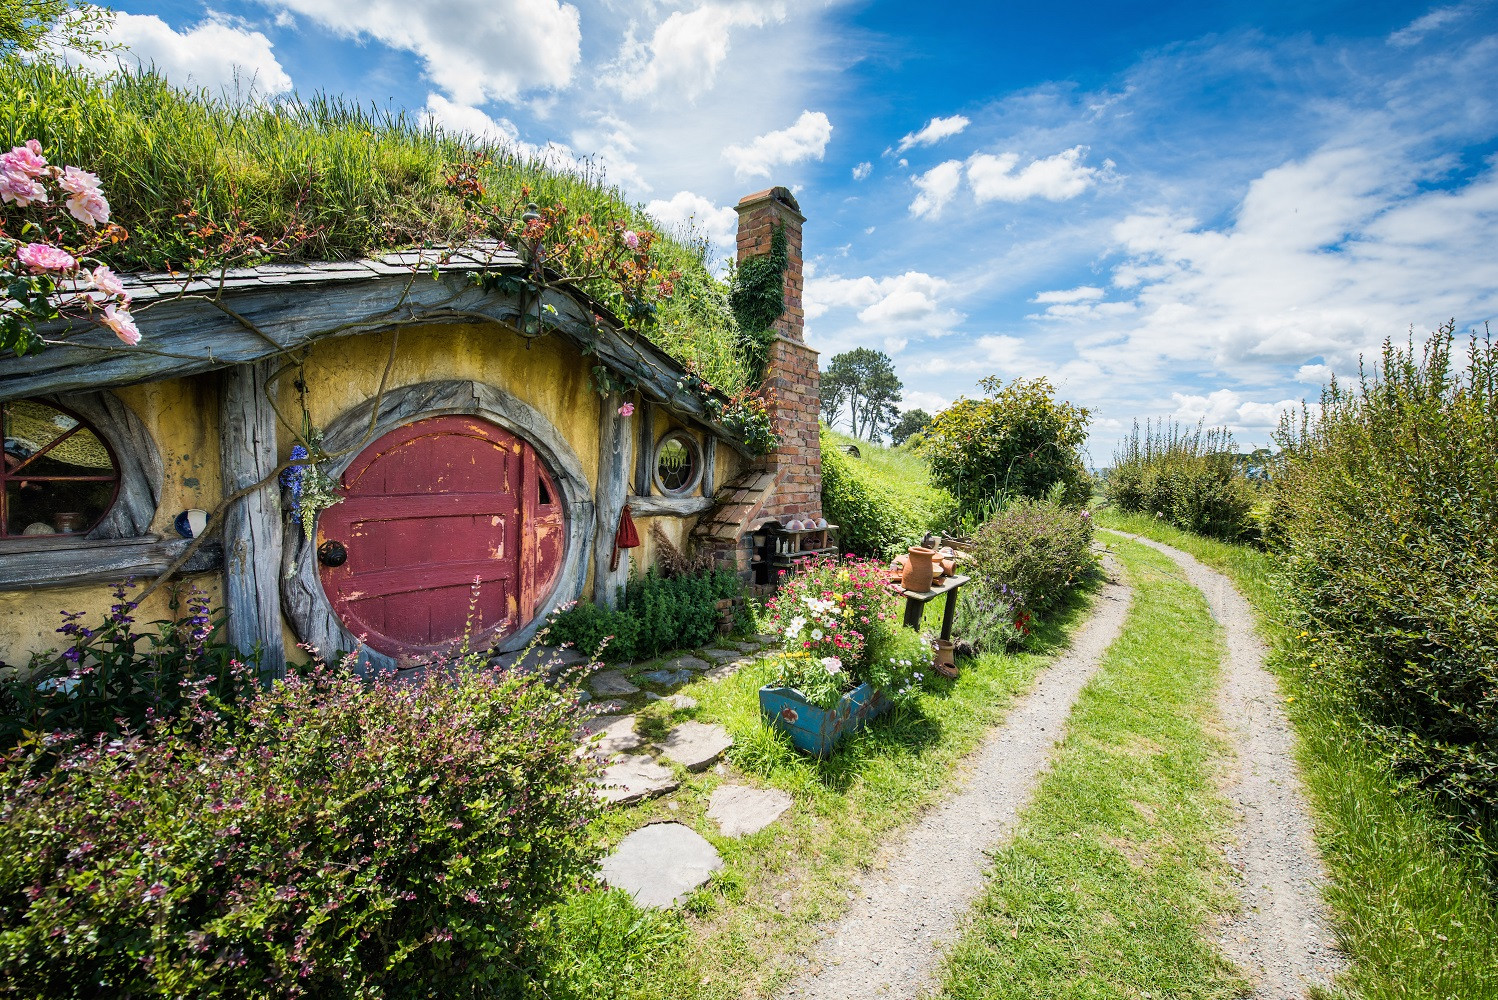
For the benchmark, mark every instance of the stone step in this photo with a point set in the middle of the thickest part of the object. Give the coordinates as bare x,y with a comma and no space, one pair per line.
634,778
660,864
696,745
740,810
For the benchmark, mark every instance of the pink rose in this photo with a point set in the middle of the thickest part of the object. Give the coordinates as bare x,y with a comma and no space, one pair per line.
25,159
44,257
109,283
631,239
627,410
85,200
122,323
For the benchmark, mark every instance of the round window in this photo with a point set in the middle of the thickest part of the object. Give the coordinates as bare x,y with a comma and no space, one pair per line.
678,464
57,477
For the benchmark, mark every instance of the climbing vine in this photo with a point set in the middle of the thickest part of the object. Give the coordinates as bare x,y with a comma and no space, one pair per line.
758,298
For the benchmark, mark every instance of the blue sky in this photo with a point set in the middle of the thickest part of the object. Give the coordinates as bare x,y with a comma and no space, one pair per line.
1169,209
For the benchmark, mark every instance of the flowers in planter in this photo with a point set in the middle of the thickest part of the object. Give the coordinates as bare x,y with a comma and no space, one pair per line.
839,628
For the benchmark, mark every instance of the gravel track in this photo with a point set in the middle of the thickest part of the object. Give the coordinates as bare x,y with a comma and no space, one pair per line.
905,911
1282,938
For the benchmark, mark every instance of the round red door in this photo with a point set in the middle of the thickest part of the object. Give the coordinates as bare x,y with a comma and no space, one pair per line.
444,520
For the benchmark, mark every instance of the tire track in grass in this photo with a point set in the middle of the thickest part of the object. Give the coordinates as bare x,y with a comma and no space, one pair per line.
1114,879
888,943
1282,935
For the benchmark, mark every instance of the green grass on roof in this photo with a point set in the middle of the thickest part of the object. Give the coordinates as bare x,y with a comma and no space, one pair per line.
365,180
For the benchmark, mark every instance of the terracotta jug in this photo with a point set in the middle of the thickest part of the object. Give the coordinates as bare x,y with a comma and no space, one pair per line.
918,571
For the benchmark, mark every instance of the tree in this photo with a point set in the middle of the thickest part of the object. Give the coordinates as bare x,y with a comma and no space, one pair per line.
911,422
26,24
1017,441
864,381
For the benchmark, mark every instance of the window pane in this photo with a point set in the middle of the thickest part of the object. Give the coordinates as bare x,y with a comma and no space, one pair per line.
54,508
59,478
674,465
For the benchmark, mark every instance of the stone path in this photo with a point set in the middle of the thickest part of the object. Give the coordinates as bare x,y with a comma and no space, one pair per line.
905,911
1282,937
659,864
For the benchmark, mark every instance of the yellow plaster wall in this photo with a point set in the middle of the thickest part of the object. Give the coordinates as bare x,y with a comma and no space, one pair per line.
181,416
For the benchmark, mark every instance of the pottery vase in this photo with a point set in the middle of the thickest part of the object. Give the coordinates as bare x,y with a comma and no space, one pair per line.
918,571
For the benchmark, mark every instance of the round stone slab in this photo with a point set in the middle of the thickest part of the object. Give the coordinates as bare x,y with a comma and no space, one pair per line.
633,779
740,810
660,863
611,682
616,734
695,745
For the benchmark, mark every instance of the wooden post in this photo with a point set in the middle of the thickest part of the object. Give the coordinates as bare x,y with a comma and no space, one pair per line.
644,448
252,526
615,454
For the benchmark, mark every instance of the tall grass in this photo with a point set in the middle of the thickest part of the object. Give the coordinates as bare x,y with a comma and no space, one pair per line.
362,179
1187,476
883,500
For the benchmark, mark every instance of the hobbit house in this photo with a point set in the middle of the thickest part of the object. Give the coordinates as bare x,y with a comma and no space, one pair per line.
472,477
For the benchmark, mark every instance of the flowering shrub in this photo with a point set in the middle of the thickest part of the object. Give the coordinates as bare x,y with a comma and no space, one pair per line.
46,265
833,607
899,661
116,674
330,837
1024,561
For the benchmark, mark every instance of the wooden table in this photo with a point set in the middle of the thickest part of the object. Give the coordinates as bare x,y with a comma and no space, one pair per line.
915,603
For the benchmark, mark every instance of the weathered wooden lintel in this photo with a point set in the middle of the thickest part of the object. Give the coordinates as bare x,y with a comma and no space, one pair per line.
655,506
99,561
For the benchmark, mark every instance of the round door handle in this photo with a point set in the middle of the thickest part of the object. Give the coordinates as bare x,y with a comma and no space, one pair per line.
332,553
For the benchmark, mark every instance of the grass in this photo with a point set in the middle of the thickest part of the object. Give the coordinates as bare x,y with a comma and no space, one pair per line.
1413,912
737,936
1114,877
884,499
362,179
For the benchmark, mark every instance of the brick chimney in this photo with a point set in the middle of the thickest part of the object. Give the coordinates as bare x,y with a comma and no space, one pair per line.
792,372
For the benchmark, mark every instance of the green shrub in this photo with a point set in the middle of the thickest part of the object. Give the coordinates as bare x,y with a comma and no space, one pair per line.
330,837
1387,503
1192,479
1024,561
883,501
658,614
1016,441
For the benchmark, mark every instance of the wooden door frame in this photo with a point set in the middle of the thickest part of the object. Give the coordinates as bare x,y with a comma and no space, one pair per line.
307,607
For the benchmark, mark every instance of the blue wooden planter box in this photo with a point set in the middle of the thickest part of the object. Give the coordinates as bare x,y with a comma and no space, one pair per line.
815,730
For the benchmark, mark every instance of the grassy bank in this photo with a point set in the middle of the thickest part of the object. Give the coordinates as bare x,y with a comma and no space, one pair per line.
883,499
1114,875
1413,912
739,936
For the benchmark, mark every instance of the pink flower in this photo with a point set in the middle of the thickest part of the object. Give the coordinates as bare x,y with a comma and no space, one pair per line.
627,410
85,200
122,323
109,283
45,257
631,239
25,159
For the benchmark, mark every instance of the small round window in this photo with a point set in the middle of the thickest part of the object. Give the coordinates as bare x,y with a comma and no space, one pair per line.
57,477
678,464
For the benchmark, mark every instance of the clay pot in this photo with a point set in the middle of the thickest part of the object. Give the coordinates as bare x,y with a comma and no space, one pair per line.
945,659
70,522
919,571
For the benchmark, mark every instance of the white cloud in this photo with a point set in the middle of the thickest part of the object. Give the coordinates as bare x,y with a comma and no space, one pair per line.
611,143
1313,374
931,402
219,54
474,50
1055,178
1081,294
1230,409
935,131
461,119
688,213
686,50
1415,32
806,139
936,187
910,302
862,170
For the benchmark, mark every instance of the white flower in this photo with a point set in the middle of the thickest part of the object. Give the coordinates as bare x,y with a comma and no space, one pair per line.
794,627
832,664
816,635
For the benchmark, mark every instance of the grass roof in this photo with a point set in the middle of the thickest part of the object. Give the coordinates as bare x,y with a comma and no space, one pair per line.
362,179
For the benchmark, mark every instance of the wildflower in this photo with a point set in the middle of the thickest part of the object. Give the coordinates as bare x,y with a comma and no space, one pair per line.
122,323
85,201
45,257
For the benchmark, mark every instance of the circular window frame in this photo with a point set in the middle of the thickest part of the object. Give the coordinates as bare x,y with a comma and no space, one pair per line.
117,480
694,450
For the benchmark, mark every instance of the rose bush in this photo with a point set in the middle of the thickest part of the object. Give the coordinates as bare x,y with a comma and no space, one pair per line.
45,252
